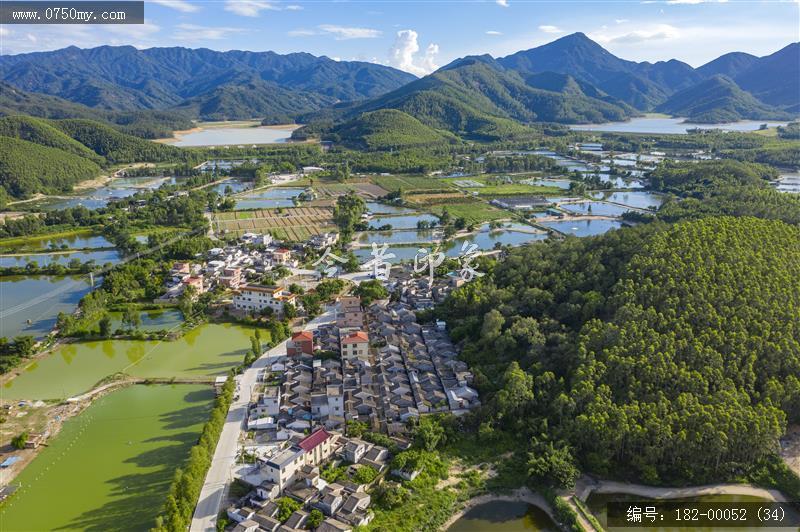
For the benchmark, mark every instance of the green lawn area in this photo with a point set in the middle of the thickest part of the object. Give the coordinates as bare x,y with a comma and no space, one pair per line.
406,183
517,190
474,212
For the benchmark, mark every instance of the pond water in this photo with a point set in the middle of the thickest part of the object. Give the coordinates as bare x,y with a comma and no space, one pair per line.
596,208
100,257
271,198
597,503
30,304
68,242
399,236
111,466
508,516
563,184
670,125
152,320
513,235
225,136
640,200
789,183
381,208
408,221
583,227
206,351
234,184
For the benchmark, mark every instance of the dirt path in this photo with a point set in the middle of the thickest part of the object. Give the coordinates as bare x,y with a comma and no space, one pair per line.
790,448
586,487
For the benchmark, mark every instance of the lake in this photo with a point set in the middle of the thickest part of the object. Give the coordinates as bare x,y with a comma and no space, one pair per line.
506,516
639,199
100,257
226,136
271,198
38,299
111,466
670,125
206,351
82,241
583,227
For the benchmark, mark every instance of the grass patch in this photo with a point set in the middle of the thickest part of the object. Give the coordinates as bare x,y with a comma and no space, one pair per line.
408,183
473,212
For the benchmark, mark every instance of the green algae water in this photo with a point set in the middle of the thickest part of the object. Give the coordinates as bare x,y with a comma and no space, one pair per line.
508,516
110,467
206,351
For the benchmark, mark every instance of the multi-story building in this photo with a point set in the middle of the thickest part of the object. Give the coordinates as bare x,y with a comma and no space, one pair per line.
355,344
231,277
312,450
301,343
350,312
255,297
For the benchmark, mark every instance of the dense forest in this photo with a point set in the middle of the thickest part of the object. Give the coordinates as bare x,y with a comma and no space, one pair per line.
662,353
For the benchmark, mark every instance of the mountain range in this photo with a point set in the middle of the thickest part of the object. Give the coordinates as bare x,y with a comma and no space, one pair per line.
570,80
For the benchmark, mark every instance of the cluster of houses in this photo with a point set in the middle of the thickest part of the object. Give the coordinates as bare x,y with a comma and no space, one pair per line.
293,470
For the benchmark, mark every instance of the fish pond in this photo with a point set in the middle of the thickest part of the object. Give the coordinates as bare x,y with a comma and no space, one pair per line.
638,199
206,351
110,467
506,516
408,221
583,227
596,208
270,198
100,257
29,305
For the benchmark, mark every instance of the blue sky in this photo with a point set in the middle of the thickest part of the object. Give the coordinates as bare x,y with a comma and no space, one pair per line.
418,36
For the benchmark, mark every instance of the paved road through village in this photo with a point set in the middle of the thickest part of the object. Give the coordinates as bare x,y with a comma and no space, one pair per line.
220,473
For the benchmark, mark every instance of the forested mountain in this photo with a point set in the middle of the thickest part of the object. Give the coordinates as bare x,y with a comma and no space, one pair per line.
145,123
659,353
478,98
719,99
40,155
125,78
774,79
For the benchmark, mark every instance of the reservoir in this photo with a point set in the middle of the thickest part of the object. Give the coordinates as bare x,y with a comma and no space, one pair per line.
234,136
583,227
670,125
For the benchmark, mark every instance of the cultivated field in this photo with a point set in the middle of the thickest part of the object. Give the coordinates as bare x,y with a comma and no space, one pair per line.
295,224
407,183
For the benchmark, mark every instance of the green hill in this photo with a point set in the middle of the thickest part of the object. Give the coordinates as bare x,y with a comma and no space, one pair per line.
115,146
716,100
27,168
388,129
43,133
476,98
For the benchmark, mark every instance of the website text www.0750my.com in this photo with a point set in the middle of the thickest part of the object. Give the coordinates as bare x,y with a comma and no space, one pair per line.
71,12
66,14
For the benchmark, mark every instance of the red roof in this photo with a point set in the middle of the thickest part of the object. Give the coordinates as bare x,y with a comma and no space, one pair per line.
359,337
281,251
314,439
303,335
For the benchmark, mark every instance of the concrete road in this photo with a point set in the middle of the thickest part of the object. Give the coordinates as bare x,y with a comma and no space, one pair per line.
219,474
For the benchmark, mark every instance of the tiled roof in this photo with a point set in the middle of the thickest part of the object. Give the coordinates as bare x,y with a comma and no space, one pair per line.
313,440
303,335
359,337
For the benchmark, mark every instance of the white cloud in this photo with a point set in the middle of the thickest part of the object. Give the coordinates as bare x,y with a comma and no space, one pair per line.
493,32
248,8
4,32
404,54
342,33
621,20
503,3
300,33
697,1
551,29
658,32
294,7
125,33
179,5
193,32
